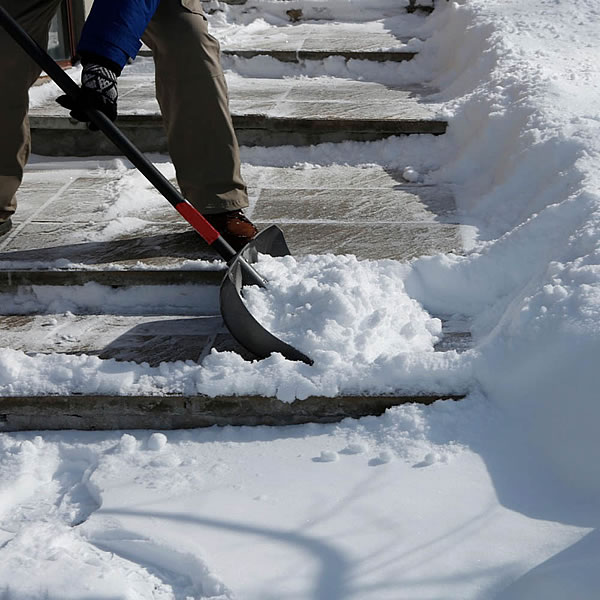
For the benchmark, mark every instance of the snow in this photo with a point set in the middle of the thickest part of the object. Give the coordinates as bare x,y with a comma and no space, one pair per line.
354,510
495,496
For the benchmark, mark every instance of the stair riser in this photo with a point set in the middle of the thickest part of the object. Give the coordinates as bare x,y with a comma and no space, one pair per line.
180,412
59,137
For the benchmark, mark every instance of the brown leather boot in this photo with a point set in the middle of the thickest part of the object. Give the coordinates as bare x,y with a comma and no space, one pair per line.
234,226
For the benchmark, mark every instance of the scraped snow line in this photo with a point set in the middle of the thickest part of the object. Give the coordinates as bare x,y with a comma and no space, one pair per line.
4,243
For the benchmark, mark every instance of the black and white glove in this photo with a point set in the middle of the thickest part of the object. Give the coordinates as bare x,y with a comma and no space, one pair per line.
98,91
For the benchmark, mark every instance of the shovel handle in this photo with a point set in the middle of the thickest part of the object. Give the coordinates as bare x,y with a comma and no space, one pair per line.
208,233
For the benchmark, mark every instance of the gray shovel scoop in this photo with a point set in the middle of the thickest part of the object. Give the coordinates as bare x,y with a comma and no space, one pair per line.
242,325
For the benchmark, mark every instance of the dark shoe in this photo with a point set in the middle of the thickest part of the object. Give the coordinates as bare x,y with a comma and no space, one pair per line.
234,226
5,226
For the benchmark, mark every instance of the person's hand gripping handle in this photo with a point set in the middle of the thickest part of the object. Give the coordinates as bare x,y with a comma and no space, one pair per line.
98,91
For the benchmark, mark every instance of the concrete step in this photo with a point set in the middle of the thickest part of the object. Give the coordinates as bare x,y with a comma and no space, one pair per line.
68,231
156,338
314,41
151,337
266,112
297,56
18,413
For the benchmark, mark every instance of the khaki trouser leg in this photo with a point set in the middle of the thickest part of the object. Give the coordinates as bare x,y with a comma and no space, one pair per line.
17,74
191,91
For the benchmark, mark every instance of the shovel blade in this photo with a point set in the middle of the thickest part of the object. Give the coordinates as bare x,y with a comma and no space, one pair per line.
241,324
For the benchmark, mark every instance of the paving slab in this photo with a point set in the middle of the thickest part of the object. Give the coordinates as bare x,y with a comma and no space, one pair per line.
265,112
408,204
138,338
18,413
312,41
398,241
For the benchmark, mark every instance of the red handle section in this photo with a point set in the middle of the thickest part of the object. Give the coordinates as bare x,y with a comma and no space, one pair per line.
209,234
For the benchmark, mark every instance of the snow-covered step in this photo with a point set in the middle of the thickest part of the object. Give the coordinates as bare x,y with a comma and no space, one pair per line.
83,333
266,112
127,326
313,41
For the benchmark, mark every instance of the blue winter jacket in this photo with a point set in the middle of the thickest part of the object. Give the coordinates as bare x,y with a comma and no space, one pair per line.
114,27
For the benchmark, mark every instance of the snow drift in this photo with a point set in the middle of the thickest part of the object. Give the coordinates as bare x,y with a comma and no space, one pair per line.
523,156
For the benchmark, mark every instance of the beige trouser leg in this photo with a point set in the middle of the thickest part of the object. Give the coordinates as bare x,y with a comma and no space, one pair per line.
17,74
191,91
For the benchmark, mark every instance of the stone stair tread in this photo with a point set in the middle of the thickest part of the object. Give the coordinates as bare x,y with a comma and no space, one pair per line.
63,233
362,41
138,338
305,98
121,277
41,243
160,245
151,337
296,56
398,241
265,112
321,9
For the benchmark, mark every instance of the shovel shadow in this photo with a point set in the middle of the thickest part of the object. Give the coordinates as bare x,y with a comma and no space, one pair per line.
184,245
170,340
334,572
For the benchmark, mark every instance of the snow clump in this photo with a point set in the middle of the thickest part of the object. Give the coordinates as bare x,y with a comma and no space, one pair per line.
338,308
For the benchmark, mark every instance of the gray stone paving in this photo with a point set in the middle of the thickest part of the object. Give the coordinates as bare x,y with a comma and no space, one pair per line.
368,211
310,41
142,338
265,112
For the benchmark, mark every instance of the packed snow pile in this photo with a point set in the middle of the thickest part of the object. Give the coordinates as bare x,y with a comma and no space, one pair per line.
354,319
522,83
342,308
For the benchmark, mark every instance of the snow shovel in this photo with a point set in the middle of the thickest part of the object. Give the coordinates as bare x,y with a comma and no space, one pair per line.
241,324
